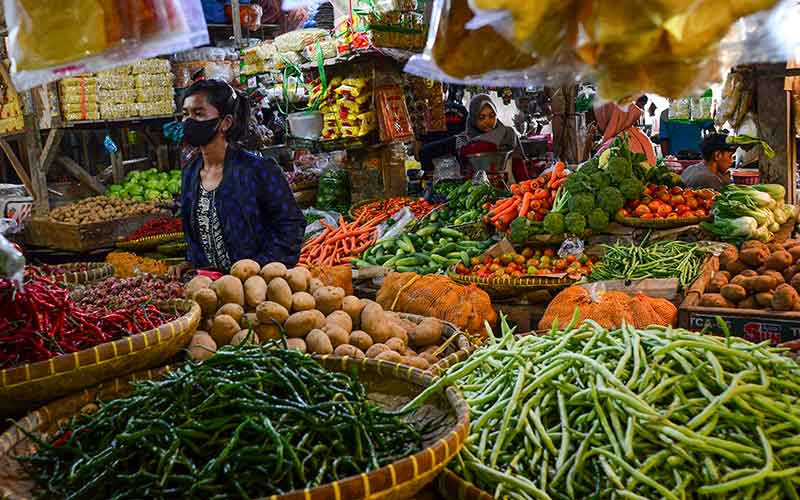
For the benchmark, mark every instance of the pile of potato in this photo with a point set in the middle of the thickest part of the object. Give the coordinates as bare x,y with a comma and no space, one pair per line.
757,276
257,304
102,208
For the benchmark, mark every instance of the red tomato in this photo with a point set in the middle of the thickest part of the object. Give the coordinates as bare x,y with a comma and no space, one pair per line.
633,204
676,190
664,196
662,189
677,200
641,210
623,213
527,253
664,210
673,215
571,259
681,208
648,191
691,203
549,252
649,216
654,205
700,213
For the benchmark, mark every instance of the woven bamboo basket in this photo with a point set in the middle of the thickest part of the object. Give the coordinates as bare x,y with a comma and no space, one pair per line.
149,242
450,485
508,287
661,223
33,384
389,384
95,271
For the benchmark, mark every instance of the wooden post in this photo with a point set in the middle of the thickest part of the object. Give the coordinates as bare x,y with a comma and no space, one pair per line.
117,169
773,120
33,151
162,157
236,20
50,148
17,165
81,174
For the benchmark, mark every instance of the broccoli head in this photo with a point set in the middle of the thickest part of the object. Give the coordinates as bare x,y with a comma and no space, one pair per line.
583,203
575,184
599,180
575,223
610,200
619,169
631,189
554,223
598,220
519,230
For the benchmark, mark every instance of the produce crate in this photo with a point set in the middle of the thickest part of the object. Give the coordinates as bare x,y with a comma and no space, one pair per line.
80,238
390,383
755,325
30,385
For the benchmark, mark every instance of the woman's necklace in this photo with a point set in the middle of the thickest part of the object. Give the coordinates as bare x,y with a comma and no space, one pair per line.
211,177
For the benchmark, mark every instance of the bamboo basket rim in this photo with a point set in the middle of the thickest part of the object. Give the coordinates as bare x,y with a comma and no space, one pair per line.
408,474
530,283
661,223
150,241
450,484
31,369
95,272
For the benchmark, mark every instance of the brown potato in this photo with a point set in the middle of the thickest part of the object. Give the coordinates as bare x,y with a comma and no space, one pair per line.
376,349
430,358
271,312
296,344
748,273
302,301
340,319
201,347
361,340
300,323
390,356
244,269
784,297
764,299
235,311
353,307
318,342
267,332
349,351
242,336
779,260
776,275
715,300
197,283
734,293
728,256
763,283
396,345
416,362
207,300
748,303
428,332
255,291
223,329
229,290
298,279
337,335
794,251
795,282
273,270
754,256
736,267
278,291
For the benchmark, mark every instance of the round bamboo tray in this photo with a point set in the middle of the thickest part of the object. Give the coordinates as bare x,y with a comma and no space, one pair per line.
661,223
507,287
96,271
33,384
450,485
389,384
149,242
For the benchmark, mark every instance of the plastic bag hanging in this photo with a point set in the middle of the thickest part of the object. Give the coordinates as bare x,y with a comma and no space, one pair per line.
48,42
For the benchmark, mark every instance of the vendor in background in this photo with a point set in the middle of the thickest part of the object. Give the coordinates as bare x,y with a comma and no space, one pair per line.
484,133
713,172
681,138
613,121
234,205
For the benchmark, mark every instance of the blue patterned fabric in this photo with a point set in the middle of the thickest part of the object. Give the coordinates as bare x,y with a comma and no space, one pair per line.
259,215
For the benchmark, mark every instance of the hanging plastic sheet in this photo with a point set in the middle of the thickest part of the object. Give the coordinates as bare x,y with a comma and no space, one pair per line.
668,47
48,42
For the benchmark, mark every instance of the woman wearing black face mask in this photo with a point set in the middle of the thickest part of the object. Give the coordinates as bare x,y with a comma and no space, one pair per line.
234,205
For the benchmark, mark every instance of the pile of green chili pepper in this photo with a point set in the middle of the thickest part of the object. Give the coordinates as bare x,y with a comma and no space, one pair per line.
248,422
662,259
655,413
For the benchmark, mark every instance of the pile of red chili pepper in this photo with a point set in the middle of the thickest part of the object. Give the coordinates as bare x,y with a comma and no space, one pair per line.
157,227
383,209
531,199
42,321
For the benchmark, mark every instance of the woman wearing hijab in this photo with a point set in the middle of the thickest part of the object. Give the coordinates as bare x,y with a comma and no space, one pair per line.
484,133
613,121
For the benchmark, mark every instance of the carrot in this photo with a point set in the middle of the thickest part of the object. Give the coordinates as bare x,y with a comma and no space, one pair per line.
541,194
512,208
502,205
526,204
556,173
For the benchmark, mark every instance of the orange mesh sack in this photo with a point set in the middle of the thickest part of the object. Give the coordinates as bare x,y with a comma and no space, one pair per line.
438,296
338,276
608,309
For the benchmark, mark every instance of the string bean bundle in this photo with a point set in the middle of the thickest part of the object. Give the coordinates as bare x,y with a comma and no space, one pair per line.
248,422
662,259
626,413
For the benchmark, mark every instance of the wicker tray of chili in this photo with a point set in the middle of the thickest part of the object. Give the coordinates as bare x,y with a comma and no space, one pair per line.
50,346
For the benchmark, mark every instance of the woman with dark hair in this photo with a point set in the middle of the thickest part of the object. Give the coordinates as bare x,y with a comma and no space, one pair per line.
234,205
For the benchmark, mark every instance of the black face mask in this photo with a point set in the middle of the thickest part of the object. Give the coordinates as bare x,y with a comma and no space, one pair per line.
199,133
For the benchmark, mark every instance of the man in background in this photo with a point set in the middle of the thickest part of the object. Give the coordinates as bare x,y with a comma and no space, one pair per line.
717,160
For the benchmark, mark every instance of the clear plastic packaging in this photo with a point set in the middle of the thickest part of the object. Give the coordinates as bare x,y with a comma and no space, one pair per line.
446,168
396,224
48,42
12,262
628,47
680,109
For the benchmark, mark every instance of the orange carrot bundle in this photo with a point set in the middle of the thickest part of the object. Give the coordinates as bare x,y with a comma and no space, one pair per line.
339,245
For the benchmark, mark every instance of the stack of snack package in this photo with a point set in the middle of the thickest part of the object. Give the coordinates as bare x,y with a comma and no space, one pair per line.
143,88
425,100
393,23
79,98
258,59
153,82
289,46
346,108
10,110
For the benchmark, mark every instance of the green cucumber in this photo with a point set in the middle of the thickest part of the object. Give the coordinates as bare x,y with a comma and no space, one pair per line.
438,258
428,230
465,258
452,233
411,261
360,263
445,249
405,244
406,269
